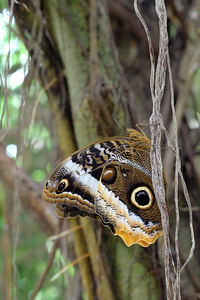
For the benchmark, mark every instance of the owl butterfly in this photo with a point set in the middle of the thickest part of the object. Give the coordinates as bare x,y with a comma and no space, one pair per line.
110,180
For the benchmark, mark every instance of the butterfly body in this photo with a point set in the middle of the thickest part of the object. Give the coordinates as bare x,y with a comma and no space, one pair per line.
110,180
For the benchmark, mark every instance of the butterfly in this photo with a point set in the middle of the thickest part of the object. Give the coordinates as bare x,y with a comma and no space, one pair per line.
110,180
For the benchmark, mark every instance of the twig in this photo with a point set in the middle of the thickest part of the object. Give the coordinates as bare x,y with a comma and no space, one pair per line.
191,274
188,68
178,171
151,50
122,13
157,85
76,261
6,241
64,233
43,276
17,178
93,62
33,114
177,167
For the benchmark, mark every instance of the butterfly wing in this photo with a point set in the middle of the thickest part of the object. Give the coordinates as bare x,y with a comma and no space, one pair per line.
73,184
126,200
111,180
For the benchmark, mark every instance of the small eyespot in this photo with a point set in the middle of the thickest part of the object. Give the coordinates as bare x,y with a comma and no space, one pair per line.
62,185
109,174
142,197
47,183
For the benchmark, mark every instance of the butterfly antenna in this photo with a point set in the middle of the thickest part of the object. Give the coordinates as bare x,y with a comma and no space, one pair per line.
119,125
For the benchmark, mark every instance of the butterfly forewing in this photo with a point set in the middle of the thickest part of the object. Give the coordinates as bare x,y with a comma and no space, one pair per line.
81,172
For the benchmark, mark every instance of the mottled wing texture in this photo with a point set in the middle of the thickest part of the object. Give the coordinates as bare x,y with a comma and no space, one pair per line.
82,170
110,180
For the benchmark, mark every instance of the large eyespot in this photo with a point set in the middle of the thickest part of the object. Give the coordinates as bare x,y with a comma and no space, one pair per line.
109,174
142,197
62,185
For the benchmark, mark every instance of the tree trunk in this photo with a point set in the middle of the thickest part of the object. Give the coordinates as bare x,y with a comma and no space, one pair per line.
76,48
75,59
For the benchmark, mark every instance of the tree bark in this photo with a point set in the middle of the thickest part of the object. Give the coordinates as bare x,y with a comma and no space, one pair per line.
73,53
75,46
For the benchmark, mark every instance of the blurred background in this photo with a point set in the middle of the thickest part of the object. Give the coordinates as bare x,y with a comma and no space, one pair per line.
68,70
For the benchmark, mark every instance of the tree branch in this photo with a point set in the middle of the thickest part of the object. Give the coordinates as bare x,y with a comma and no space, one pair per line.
30,192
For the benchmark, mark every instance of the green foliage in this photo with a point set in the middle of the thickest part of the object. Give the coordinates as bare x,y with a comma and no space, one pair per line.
18,120
32,256
24,125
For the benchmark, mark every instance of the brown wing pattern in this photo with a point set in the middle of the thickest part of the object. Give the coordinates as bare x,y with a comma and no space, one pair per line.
110,180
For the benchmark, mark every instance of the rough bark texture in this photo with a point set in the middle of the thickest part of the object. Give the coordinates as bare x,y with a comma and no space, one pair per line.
72,43
62,32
